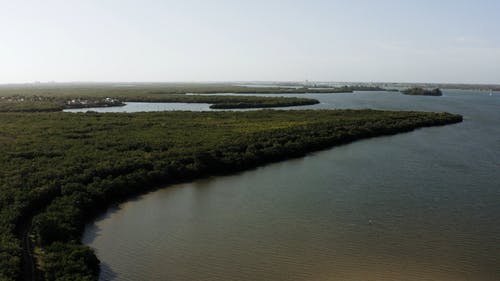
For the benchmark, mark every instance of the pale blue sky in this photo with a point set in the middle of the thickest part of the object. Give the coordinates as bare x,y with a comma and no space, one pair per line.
336,40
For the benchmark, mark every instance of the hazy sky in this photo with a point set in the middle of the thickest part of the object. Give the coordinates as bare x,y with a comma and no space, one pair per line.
211,40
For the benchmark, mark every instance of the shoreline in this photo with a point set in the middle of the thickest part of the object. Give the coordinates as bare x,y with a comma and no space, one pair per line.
284,155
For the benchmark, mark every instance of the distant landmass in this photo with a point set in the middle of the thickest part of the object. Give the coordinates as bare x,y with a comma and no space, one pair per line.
422,92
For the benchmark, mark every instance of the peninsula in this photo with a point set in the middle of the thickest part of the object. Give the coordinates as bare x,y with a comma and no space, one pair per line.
61,169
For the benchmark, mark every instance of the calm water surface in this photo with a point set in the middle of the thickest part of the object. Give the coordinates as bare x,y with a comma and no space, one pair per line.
423,205
146,106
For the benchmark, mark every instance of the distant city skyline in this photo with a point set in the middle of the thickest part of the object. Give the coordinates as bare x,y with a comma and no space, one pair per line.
210,41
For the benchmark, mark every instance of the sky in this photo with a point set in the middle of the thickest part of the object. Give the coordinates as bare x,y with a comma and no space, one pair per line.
452,41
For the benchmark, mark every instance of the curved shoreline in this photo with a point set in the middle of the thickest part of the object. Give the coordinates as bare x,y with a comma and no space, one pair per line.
235,171
327,133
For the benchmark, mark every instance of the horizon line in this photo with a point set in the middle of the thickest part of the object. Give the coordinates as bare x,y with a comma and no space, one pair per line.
238,81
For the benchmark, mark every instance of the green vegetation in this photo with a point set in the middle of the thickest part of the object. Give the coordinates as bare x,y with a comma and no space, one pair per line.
43,98
364,88
63,168
242,102
227,102
58,103
69,261
422,92
51,103
141,89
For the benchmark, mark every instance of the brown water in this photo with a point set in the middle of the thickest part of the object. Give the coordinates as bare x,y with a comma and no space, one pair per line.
423,205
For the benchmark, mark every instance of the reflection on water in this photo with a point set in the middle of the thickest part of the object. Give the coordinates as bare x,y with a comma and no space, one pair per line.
422,205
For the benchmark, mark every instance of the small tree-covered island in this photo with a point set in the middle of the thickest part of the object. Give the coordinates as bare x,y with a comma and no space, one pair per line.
422,92
58,170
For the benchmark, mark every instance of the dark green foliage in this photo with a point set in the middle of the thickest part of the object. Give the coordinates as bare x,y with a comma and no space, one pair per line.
68,262
20,98
10,253
25,104
422,92
271,102
66,167
362,88
227,102
41,99
110,90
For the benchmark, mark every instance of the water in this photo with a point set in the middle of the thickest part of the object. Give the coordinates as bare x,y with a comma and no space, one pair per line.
169,106
423,205
146,106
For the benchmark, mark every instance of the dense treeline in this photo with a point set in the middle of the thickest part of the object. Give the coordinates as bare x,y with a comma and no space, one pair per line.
30,106
43,98
65,167
58,103
228,102
19,98
422,92
274,102
140,89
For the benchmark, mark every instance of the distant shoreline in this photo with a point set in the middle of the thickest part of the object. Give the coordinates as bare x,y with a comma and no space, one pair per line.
284,84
